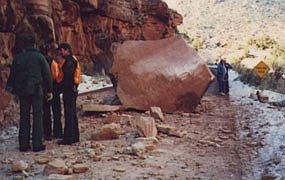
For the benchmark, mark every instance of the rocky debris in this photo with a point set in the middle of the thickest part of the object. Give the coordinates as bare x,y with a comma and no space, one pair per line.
153,60
57,166
119,169
113,118
100,108
108,132
276,159
42,160
268,177
262,98
156,113
170,130
164,128
19,166
80,168
125,119
253,96
96,158
60,177
140,148
144,125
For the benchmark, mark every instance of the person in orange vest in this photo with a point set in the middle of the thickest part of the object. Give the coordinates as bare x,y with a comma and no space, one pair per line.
49,53
69,76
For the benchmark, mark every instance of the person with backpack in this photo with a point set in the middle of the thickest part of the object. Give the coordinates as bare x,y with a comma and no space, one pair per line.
29,73
70,78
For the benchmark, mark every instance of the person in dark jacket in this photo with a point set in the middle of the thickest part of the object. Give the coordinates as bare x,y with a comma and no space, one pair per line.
55,104
29,71
221,72
70,92
226,78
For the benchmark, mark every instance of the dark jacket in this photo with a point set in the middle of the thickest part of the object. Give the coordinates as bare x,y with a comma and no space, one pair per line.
29,71
221,71
227,66
68,69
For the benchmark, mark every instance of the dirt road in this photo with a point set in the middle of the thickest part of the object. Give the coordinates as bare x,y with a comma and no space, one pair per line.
212,148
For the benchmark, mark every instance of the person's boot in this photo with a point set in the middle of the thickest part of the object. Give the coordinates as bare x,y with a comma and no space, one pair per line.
24,149
40,148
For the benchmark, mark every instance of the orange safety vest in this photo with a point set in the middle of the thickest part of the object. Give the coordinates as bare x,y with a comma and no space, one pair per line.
54,70
77,72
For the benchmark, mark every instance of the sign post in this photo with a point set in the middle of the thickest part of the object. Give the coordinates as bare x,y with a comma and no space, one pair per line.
261,69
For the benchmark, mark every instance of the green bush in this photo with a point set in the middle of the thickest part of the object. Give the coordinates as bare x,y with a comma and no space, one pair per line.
277,59
197,43
264,42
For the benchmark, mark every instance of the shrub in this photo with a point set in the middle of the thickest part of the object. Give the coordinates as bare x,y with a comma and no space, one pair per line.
264,42
197,43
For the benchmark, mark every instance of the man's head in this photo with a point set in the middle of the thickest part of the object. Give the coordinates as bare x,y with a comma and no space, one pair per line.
29,40
64,49
222,61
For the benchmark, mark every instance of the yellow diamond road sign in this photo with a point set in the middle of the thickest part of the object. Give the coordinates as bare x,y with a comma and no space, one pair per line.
261,69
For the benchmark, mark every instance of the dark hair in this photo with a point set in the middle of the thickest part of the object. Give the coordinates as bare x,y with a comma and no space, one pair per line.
29,39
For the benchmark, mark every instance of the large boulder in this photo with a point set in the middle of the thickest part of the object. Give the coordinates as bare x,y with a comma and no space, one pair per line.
164,73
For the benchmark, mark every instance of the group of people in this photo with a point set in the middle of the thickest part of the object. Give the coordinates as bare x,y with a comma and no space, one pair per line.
223,77
37,78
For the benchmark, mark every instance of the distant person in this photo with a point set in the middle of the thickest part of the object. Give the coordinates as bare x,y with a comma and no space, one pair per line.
70,80
226,77
49,52
29,72
221,73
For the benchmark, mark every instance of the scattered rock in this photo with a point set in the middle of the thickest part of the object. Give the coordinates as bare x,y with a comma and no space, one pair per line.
156,113
140,148
43,160
262,98
19,166
226,131
56,166
276,159
80,168
113,118
148,140
164,128
177,133
107,132
253,96
282,146
116,158
145,126
119,169
96,158
60,177
268,177
125,119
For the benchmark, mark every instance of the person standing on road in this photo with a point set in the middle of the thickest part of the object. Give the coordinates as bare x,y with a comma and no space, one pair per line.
221,72
70,82
29,72
226,78
49,53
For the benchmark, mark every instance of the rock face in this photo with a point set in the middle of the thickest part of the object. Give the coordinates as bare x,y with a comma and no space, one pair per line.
91,26
163,73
